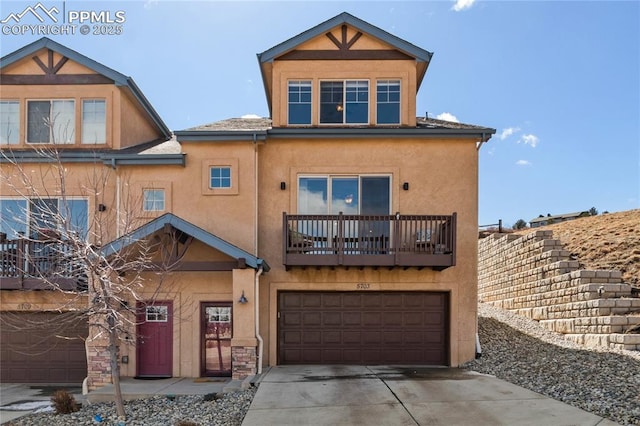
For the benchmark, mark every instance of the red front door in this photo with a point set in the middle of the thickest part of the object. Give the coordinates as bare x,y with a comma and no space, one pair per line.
216,339
155,339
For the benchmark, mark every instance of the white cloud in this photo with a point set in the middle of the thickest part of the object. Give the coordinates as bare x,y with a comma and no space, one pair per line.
523,163
529,139
462,5
447,116
508,132
150,3
250,116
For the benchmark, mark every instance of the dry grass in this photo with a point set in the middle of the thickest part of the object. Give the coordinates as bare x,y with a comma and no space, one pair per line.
607,241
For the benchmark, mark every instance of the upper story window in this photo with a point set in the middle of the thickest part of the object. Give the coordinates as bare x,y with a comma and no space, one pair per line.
94,121
344,102
299,102
36,217
388,102
51,121
220,177
153,200
9,122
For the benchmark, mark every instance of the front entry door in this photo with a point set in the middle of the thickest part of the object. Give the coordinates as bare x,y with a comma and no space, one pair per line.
155,339
216,332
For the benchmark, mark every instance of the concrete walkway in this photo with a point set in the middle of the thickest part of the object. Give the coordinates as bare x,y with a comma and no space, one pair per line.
353,395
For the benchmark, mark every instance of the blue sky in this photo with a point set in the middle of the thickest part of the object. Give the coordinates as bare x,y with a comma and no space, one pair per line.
558,80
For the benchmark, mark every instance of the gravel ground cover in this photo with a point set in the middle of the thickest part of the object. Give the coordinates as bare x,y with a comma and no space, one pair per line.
157,411
514,348
521,351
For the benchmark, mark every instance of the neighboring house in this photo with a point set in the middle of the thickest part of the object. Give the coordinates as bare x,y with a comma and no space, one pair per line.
550,220
366,215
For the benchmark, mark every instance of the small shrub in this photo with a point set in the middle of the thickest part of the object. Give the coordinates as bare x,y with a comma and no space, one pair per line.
64,402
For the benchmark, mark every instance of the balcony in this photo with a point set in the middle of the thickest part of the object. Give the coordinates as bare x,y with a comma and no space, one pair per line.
420,241
38,265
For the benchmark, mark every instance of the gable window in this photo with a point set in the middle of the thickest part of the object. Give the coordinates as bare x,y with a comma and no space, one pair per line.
299,102
220,177
94,121
51,121
9,122
388,102
153,200
344,102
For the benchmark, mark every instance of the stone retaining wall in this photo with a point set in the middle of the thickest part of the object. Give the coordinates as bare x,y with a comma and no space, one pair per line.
534,276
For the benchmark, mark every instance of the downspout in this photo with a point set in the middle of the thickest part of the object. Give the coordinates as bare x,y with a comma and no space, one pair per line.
257,322
256,294
113,166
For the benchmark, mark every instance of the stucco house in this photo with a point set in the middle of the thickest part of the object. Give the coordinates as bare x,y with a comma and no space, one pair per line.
341,230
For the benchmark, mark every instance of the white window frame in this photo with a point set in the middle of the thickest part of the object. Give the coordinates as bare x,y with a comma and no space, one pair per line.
59,133
94,128
388,82
151,200
9,122
299,94
221,179
345,102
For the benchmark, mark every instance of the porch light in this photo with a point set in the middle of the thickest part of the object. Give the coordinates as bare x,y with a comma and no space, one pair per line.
243,299
339,107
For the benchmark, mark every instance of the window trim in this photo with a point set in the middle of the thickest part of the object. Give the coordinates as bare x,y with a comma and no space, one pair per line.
300,83
15,102
154,201
344,101
28,221
223,179
71,140
330,176
387,81
208,164
82,121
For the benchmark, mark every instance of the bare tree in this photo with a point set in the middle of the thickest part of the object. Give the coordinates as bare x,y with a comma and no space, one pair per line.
57,242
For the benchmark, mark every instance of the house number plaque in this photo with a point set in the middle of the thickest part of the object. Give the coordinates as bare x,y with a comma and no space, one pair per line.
363,286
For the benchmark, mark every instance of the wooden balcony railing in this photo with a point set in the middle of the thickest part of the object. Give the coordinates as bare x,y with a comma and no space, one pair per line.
38,265
378,241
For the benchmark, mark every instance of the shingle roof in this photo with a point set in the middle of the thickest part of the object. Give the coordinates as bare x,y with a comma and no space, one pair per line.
236,124
188,228
264,124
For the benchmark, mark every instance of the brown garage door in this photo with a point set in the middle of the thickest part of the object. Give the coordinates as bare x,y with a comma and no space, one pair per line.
367,328
42,348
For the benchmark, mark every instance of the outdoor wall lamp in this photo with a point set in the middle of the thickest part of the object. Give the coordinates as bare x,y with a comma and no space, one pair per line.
243,299
283,185
405,186
102,207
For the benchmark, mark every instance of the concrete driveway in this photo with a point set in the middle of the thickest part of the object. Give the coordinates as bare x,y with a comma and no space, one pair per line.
349,395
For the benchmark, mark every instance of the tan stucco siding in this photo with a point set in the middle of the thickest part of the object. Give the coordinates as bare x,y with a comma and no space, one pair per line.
186,290
442,177
228,215
370,70
135,125
28,66
110,94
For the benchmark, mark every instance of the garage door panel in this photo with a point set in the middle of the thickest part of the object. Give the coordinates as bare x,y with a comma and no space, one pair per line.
42,347
363,328
372,318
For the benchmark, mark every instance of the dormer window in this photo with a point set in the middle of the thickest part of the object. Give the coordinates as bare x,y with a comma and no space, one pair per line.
300,102
388,102
344,102
51,121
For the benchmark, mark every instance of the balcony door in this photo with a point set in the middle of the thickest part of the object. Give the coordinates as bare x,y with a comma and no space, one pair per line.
366,195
